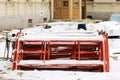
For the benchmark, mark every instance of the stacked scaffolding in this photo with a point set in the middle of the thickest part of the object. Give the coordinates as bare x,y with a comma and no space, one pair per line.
62,51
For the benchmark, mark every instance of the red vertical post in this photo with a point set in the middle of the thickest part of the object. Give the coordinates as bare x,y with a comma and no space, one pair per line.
107,53
78,50
44,51
48,50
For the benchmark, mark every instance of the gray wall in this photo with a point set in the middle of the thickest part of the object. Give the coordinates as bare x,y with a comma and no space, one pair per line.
10,22
100,15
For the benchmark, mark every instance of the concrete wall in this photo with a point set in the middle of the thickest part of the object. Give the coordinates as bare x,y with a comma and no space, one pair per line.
15,13
102,9
104,0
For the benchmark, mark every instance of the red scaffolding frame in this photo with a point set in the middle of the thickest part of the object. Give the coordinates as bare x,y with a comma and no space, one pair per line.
46,52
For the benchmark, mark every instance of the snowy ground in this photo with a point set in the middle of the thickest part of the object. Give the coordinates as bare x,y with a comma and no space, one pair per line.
111,27
7,74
